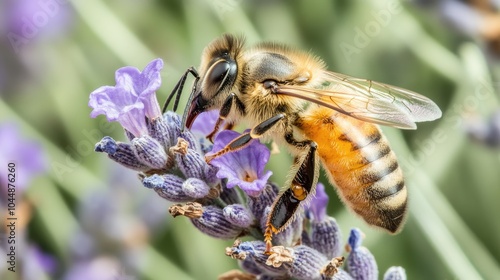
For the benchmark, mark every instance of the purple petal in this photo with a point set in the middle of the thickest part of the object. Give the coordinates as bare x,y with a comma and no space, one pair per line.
119,105
205,122
27,156
143,85
131,99
318,204
245,167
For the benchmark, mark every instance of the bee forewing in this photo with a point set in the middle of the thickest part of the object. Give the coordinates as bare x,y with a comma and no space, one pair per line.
379,97
369,101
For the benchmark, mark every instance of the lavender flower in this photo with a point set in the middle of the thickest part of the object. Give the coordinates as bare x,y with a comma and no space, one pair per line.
26,155
131,99
171,161
298,262
243,168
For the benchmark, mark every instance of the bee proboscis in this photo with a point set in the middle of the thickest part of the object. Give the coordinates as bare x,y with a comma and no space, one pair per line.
288,96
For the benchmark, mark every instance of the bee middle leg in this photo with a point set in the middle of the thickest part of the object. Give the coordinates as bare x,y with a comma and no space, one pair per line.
244,139
287,204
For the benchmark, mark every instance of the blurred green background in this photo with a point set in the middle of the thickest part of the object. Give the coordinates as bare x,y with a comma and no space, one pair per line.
87,210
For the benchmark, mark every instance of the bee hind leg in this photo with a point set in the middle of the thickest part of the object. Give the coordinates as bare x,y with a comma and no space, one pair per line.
244,139
286,205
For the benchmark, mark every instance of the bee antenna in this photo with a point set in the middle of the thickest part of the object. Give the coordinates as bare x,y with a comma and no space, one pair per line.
177,91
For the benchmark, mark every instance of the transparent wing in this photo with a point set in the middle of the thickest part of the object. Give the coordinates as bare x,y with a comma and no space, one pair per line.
368,100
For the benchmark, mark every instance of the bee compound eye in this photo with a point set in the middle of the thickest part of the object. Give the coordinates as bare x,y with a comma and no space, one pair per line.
218,72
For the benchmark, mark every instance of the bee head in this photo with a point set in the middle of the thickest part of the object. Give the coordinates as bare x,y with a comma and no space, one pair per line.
218,74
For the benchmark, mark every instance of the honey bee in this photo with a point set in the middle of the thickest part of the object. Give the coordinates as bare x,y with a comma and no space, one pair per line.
288,96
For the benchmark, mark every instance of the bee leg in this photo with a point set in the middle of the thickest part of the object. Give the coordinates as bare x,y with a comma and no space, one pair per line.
223,113
244,139
285,206
179,87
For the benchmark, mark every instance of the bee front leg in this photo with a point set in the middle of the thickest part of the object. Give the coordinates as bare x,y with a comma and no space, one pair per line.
177,91
284,207
223,113
244,139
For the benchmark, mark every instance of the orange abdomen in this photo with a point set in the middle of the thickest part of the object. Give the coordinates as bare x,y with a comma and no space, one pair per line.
359,161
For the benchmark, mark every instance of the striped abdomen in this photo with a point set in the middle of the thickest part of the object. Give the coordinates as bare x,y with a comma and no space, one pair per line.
361,164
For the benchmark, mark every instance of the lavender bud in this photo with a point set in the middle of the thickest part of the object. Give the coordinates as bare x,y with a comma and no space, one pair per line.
173,122
213,223
121,153
253,251
192,164
195,188
191,139
238,215
258,204
360,262
249,266
168,186
106,145
395,273
150,152
229,196
326,237
159,130
342,275
307,263
211,175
